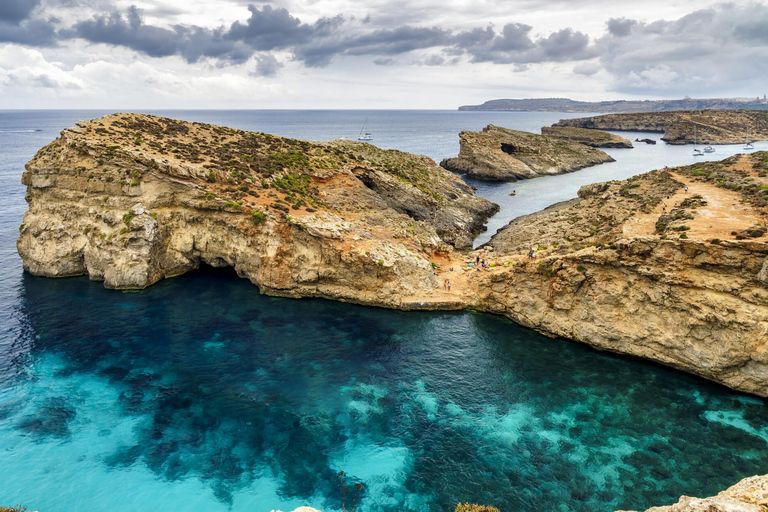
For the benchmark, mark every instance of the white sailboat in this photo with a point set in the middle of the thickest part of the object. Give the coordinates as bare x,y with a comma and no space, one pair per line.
748,145
696,152
366,135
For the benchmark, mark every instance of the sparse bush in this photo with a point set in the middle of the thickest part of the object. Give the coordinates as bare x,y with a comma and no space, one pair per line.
258,217
546,269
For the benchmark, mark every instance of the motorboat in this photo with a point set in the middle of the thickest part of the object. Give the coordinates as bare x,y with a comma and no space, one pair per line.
709,149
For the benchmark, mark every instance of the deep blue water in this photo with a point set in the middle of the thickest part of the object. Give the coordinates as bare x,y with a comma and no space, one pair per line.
201,394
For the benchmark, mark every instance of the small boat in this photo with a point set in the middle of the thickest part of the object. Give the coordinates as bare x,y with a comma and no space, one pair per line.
367,135
474,187
748,145
696,152
709,149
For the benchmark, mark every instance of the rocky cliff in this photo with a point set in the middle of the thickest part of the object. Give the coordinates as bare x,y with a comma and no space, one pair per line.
640,267
749,495
610,273
593,138
501,154
684,127
131,199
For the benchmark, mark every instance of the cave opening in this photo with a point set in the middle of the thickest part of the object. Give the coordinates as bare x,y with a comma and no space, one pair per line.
508,148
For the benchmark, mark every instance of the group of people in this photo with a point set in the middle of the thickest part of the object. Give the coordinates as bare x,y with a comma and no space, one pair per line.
447,285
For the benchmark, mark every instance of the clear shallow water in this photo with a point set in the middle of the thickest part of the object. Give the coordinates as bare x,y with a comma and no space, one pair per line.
200,394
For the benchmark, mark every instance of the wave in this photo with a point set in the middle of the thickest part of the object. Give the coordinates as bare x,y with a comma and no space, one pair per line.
21,131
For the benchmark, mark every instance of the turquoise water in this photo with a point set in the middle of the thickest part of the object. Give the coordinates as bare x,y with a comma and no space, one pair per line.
201,394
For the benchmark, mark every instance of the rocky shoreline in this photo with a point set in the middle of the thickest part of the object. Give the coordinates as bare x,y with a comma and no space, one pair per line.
131,199
685,126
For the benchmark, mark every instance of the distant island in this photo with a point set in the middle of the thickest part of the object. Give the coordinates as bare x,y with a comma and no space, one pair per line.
619,106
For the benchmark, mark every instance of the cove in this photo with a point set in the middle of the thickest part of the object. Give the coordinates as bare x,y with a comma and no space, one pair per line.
199,393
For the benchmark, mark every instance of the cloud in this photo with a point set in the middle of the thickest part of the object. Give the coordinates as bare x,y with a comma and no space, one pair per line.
587,68
14,11
266,65
29,32
514,45
26,68
319,43
708,51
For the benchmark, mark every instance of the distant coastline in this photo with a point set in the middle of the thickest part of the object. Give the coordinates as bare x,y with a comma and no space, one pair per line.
619,106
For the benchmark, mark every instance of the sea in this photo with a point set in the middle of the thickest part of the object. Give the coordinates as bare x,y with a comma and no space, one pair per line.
201,394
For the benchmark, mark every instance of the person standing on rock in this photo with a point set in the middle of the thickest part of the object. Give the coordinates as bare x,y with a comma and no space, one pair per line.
449,284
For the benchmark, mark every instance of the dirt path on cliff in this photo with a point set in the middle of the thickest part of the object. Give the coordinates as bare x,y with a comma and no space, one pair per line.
723,214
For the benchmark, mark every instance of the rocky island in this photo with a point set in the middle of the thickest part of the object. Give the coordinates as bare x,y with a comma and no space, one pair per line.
684,127
641,267
501,154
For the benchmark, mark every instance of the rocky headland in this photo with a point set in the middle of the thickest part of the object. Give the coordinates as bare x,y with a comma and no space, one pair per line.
593,138
131,199
501,154
640,267
684,127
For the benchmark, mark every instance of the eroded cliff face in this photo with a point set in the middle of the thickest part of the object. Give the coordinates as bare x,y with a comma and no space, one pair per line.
640,267
586,136
501,154
684,126
131,199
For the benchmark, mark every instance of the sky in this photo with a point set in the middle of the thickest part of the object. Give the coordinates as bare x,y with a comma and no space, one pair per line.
374,54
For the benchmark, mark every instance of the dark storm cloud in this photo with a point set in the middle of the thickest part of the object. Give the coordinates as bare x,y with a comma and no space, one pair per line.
515,46
317,44
14,11
129,30
269,28
18,26
29,32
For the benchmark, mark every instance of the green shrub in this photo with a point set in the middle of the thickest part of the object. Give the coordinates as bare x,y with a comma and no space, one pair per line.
210,177
258,217
545,269
127,218
581,269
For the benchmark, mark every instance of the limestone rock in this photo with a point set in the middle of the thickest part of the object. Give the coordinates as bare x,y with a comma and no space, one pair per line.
131,199
500,154
749,495
593,138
